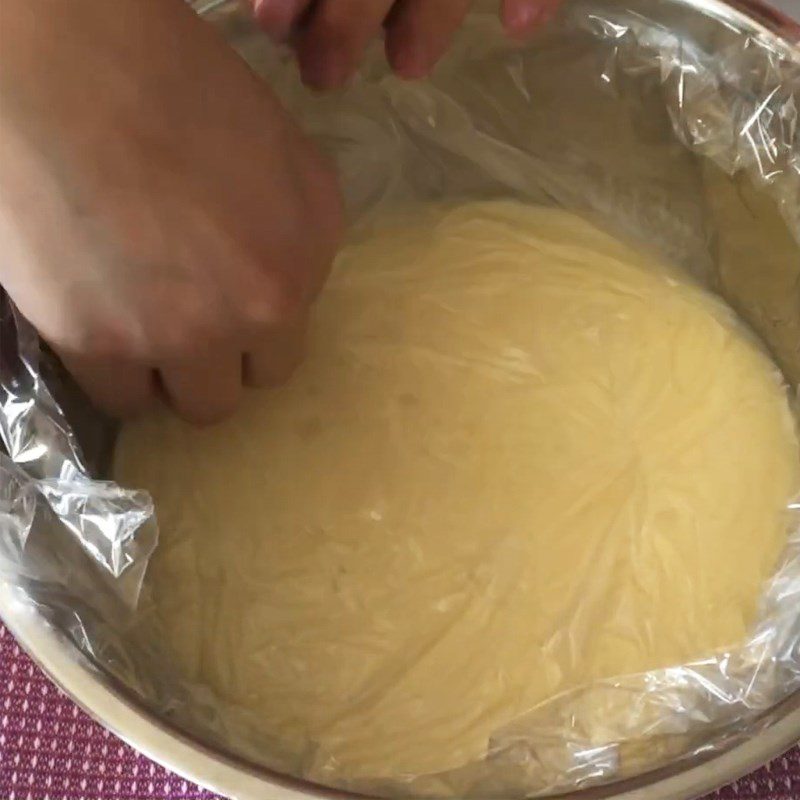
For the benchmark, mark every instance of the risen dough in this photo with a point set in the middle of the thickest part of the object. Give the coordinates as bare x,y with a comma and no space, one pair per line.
520,457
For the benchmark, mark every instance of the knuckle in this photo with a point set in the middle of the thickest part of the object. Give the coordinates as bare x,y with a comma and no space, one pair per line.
280,299
152,328
176,338
290,293
101,338
191,326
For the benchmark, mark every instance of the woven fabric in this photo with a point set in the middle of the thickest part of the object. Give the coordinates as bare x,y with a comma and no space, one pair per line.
50,750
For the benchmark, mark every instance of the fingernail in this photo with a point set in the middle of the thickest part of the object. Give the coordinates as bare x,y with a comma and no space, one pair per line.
524,16
276,17
410,61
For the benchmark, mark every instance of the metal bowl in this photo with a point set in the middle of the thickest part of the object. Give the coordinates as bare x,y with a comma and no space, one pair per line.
111,704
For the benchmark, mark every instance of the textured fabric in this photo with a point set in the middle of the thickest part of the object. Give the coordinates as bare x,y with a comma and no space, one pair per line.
50,750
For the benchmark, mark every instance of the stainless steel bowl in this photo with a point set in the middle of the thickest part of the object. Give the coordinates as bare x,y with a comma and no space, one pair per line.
107,701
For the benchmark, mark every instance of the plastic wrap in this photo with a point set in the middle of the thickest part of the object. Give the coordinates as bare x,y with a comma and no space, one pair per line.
46,485
670,125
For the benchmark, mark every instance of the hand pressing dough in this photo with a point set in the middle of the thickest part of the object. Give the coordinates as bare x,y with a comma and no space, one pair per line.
521,457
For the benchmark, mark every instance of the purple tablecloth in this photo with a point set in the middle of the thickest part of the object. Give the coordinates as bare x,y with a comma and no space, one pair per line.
50,750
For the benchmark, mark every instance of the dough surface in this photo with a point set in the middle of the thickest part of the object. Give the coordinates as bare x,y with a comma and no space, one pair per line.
519,458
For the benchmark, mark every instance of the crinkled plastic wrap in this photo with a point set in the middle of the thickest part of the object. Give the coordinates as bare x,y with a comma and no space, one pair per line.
670,123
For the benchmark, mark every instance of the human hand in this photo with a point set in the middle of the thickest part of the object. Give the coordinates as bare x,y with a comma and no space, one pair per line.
165,225
330,36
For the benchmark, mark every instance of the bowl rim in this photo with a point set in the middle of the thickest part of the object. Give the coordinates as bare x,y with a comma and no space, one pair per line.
104,699
110,704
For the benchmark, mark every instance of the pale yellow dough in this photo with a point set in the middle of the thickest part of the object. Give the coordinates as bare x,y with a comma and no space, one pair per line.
520,457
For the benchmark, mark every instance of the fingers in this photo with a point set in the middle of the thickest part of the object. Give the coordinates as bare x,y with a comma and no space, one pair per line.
522,17
279,18
334,37
272,360
202,390
331,35
205,389
118,388
418,33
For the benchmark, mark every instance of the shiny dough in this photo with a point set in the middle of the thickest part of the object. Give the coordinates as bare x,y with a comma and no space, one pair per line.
521,457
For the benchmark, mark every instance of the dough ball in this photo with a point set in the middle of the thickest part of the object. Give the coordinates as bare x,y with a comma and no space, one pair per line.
520,458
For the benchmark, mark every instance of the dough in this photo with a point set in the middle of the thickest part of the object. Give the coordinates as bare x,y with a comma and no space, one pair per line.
521,457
